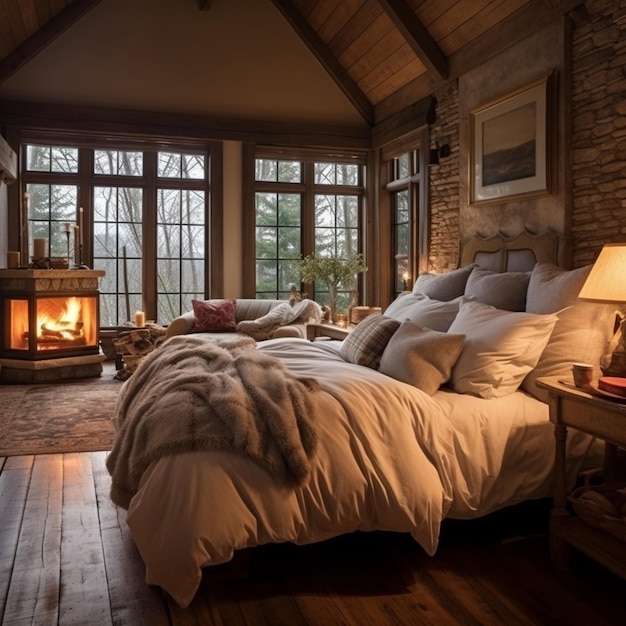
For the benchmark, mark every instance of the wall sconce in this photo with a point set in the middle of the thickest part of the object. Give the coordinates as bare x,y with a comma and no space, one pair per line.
439,152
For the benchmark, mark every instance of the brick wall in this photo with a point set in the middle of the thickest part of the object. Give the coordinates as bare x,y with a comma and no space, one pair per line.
599,129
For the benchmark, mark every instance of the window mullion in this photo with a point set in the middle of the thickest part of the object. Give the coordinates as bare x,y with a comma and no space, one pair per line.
149,231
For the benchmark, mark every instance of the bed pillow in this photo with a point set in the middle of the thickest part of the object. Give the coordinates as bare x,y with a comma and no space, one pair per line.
582,332
504,290
213,316
367,342
424,311
420,356
445,286
500,348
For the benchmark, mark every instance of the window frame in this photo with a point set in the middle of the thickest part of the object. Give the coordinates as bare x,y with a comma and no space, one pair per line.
308,189
86,180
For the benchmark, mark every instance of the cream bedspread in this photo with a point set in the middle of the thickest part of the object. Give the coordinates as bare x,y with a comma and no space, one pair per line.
389,457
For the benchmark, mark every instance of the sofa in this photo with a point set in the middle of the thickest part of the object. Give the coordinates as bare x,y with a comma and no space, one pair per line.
246,310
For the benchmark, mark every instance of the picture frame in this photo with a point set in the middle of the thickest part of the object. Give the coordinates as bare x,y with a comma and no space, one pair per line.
511,144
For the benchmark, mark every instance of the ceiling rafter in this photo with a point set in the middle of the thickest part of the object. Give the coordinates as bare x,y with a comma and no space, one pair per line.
341,77
416,35
44,36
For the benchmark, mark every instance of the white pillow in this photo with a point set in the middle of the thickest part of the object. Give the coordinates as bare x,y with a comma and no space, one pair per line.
445,286
501,347
424,311
504,290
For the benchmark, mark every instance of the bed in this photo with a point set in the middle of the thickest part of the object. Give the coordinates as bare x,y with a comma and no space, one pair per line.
392,430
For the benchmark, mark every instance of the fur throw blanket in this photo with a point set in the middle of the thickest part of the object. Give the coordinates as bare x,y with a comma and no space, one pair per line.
282,314
192,394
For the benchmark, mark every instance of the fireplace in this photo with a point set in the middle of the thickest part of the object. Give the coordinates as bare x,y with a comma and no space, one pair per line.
50,325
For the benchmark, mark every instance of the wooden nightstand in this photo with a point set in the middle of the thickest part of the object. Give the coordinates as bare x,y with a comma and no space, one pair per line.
605,419
326,330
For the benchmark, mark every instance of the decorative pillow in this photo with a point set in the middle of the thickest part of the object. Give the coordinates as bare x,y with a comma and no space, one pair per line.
501,347
367,342
443,286
421,357
582,332
504,290
213,315
424,311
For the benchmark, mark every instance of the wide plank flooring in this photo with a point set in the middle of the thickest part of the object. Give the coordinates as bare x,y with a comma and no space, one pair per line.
67,557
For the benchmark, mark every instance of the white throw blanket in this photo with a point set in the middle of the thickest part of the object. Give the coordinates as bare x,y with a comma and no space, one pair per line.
282,314
192,395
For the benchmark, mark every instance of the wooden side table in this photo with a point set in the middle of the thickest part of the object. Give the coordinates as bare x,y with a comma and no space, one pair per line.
605,419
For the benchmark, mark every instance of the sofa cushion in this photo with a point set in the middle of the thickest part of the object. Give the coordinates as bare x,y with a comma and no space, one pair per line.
213,315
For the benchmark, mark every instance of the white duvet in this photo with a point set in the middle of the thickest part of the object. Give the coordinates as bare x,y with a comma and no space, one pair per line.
389,457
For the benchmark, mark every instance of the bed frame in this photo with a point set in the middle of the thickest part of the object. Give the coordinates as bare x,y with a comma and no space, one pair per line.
501,253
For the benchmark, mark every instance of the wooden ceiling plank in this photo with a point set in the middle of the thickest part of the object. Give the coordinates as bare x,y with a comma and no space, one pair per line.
379,54
395,70
29,16
362,19
366,40
343,13
387,85
479,24
43,11
7,42
417,36
320,13
328,61
47,33
16,22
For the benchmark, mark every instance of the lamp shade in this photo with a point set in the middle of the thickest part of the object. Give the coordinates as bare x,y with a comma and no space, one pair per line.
607,280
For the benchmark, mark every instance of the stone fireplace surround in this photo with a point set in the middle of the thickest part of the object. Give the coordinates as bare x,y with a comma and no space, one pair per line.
45,366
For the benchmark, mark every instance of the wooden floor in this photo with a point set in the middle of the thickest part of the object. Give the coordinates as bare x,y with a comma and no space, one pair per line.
66,557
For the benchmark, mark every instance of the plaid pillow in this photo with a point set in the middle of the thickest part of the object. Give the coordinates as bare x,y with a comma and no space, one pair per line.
367,342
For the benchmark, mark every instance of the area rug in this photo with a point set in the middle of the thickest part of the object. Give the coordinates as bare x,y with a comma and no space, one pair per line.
68,416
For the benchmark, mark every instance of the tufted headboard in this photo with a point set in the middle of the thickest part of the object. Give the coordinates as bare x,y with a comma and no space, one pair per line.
501,253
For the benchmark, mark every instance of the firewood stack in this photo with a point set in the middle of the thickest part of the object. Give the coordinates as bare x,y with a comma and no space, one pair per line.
133,345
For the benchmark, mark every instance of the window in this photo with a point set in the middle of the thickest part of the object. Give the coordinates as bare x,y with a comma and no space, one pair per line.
303,206
139,215
403,186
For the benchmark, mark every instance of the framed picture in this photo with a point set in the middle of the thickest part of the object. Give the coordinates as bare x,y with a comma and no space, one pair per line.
510,144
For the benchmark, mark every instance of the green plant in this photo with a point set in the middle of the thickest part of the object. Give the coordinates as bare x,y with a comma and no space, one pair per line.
334,271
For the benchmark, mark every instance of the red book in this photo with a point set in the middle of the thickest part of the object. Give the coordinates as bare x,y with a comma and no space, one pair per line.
613,384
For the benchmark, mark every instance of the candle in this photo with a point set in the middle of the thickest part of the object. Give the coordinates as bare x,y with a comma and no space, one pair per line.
39,248
140,319
13,260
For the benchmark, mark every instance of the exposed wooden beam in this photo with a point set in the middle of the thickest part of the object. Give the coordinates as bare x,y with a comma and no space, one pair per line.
413,31
134,124
328,61
45,35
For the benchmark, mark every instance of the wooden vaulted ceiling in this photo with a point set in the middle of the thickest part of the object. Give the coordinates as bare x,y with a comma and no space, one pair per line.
385,55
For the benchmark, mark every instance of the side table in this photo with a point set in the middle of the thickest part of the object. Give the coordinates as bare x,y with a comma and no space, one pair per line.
326,330
605,419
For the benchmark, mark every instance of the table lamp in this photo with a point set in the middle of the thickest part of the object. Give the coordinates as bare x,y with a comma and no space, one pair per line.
607,283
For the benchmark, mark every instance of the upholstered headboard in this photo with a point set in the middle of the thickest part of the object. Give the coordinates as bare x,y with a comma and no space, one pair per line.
501,253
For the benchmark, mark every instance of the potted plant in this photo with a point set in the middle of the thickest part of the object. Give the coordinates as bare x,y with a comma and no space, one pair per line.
335,272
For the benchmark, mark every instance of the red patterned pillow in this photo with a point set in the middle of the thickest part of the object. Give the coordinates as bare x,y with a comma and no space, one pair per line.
213,315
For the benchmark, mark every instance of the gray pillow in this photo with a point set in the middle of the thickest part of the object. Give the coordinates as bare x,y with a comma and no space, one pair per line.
421,357
504,290
582,332
367,342
424,311
443,286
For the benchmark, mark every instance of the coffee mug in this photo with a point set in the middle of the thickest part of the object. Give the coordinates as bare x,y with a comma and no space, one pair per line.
582,374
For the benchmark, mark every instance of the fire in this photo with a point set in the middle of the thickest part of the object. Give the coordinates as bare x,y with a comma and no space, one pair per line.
66,325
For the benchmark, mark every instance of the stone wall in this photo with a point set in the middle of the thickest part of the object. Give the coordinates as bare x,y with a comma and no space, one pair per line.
591,209
599,129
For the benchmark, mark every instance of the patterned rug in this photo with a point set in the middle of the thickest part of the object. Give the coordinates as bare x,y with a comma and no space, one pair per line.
72,416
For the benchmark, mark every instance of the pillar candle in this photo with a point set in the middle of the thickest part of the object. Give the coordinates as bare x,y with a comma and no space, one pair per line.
140,319
13,260
39,248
